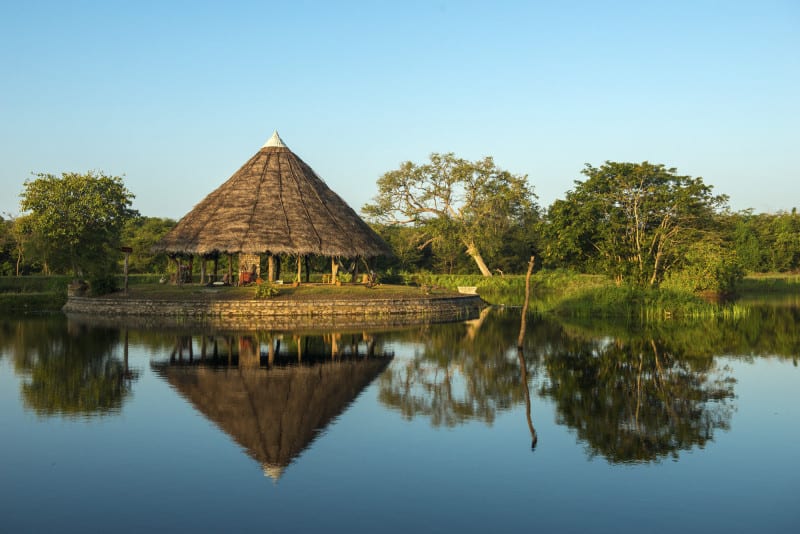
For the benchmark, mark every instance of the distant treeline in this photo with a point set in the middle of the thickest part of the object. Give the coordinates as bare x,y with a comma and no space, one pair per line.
761,242
638,224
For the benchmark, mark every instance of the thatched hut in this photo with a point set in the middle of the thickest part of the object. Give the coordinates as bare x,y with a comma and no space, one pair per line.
274,204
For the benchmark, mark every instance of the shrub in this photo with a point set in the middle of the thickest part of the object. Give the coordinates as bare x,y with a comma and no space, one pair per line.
102,285
709,268
266,290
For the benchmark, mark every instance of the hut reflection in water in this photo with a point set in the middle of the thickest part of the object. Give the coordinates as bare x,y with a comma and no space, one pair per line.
273,395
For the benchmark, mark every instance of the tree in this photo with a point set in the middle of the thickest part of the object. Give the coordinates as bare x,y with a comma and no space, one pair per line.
79,216
632,220
7,246
141,233
451,201
766,241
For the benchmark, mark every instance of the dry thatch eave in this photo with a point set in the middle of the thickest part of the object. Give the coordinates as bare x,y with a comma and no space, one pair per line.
275,203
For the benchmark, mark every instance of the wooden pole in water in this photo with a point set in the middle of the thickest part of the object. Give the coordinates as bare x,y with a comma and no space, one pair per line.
522,325
127,251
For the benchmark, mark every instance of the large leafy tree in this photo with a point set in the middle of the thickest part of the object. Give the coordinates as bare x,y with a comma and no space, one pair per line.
632,220
454,203
79,216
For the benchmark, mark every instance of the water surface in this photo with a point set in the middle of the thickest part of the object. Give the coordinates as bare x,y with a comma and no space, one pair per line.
594,427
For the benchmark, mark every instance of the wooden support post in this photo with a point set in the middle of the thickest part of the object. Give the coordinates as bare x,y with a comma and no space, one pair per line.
271,268
202,270
334,270
230,269
299,268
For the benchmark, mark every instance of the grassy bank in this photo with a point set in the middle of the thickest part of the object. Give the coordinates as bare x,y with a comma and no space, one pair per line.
304,292
770,283
27,294
33,294
547,287
578,295
557,292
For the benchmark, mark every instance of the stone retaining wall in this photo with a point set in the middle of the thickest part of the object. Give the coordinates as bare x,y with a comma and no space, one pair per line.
282,313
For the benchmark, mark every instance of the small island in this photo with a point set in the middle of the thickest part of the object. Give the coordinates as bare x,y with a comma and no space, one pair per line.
275,204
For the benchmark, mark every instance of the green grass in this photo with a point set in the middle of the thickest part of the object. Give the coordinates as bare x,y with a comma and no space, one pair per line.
770,283
32,293
285,292
642,304
31,302
34,284
578,295
547,287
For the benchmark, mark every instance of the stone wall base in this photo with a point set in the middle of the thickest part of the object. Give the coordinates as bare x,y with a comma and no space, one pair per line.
269,314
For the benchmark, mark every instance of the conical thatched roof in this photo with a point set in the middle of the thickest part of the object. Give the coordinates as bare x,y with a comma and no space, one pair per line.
274,203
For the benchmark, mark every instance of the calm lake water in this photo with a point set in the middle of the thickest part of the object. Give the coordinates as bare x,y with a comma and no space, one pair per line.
670,428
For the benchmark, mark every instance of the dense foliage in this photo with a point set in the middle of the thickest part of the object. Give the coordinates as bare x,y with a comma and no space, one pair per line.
75,221
639,224
140,234
634,221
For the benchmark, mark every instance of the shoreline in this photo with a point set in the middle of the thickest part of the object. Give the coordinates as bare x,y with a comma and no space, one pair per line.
260,314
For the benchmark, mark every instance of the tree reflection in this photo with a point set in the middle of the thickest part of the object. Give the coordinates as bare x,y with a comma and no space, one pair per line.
68,371
460,372
631,396
638,400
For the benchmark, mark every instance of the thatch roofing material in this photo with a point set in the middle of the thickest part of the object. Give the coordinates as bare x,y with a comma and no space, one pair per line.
274,203
274,414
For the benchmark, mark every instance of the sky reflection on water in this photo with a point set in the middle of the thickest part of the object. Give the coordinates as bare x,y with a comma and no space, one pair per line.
429,433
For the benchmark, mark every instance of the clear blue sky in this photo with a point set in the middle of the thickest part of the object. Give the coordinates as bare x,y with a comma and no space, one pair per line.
177,95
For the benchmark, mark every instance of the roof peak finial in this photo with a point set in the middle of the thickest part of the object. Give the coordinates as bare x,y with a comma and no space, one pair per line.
275,140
